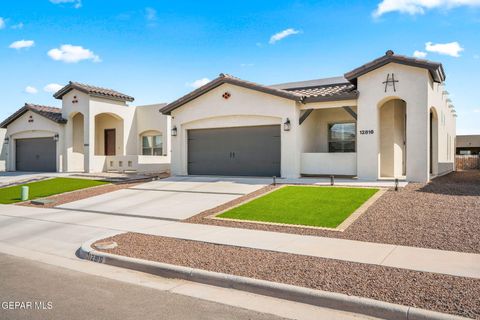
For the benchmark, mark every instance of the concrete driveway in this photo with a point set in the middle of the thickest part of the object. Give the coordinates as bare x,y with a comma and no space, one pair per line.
174,198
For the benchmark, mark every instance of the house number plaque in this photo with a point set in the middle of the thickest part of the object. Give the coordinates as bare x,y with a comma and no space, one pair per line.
367,131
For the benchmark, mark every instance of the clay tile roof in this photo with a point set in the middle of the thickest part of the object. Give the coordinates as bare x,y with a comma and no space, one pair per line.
435,68
328,89
93,91
51,113
226,78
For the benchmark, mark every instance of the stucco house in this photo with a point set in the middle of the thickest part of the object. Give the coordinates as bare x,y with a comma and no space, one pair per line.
94,131
389,118
468,144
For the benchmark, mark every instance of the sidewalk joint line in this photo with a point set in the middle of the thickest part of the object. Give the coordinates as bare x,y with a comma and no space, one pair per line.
388,254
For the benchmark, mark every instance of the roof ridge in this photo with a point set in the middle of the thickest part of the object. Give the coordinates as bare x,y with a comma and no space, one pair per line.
92,90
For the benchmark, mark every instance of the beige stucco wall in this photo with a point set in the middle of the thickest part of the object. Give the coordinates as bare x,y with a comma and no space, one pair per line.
444,137
412,87
149,118
109,114
245,107
314,129
3,150
465,141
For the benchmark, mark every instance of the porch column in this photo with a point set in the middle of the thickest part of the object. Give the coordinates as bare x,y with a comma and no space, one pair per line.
418,147
89,142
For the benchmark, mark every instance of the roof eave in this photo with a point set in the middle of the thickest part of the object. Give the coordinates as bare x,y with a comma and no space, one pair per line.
71,86
103,96
222,80
348,96
17,114
13,117
435,69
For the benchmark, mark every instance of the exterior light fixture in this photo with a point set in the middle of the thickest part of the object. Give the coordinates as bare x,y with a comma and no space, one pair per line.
287,125
174,131
55,137
6,140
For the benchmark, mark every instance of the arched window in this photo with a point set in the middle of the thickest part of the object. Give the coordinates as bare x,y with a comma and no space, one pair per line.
152,144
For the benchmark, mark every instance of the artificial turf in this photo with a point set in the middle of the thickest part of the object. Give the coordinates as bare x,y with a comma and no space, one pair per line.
45,188
303,205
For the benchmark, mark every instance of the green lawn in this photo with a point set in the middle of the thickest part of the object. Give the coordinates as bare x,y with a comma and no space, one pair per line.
310,206
46,188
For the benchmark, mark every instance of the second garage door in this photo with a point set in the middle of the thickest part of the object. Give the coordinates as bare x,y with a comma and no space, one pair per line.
37,155
242,151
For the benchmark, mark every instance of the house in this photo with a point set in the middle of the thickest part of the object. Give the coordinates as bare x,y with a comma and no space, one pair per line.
389,118
468,144
94,131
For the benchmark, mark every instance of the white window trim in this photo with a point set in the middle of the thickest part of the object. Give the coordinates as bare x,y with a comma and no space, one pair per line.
340,122
151,135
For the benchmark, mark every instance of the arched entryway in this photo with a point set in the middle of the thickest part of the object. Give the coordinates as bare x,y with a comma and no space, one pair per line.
433,142
108,135
393,150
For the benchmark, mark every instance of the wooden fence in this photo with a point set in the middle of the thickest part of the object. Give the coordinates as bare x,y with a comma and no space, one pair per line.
465,162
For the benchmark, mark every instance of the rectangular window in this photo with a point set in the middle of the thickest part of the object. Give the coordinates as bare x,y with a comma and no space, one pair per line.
342,137
152,145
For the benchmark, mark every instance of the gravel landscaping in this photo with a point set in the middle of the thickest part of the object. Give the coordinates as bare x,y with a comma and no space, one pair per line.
449,294
444,214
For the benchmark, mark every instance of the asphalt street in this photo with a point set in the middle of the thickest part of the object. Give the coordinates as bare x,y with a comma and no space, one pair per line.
59,293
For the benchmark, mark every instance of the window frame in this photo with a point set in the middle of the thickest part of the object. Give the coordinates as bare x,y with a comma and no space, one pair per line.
330,140
152,146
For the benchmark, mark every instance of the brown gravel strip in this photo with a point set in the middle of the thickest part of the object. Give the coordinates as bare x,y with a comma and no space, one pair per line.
449,294
63,198
444,214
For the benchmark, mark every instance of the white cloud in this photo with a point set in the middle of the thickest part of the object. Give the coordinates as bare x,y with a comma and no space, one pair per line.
198,83
72,54
31,90
419,54
17,26
150,14
76,3
282,35
52,87
414,7
476,110
452,49
2,23
20,44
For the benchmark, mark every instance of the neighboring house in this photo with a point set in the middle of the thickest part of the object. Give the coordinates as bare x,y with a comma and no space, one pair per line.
390,118
94,131
468,144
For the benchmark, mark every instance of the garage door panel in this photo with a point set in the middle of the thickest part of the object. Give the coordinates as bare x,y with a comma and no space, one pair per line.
242,151
36,154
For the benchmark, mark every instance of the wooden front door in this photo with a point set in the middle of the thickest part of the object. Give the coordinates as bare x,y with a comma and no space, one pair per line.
109,142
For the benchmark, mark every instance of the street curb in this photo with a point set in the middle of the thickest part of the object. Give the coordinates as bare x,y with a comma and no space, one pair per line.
325,299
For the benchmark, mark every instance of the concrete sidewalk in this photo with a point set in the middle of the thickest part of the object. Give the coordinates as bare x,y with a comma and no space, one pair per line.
419,259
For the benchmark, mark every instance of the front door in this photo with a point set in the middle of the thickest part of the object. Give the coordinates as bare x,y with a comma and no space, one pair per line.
109,142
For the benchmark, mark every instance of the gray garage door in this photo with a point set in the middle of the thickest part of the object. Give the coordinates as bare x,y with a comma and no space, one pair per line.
37,154
243,151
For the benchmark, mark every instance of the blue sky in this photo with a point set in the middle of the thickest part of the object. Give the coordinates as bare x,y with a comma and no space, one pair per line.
157,51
